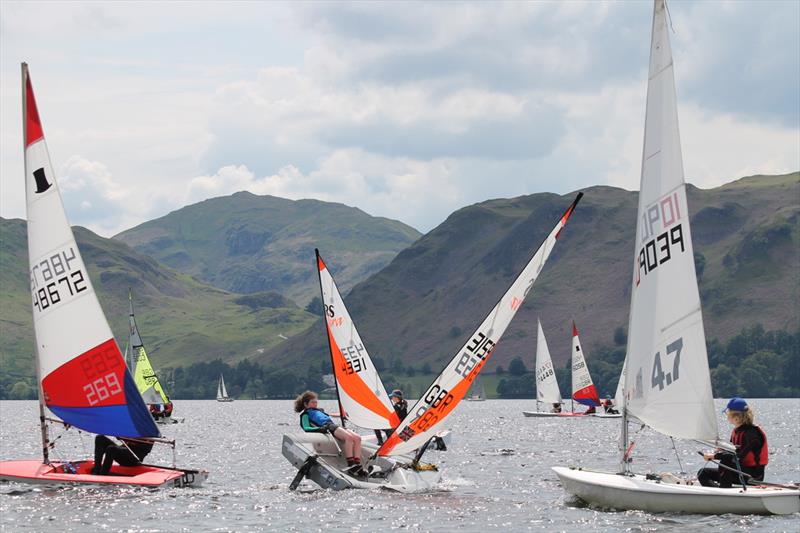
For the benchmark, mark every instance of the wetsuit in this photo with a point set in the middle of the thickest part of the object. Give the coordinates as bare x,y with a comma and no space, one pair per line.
401,408
753,454
103,446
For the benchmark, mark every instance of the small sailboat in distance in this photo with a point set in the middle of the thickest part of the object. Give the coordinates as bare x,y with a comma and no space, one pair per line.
222,392
145,377
82,377
667,383
477,392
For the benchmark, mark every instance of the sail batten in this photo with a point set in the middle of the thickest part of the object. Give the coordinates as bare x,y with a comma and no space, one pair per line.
450,387
666,364
83,377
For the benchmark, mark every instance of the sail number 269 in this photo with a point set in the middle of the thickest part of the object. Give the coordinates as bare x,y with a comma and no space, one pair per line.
659,377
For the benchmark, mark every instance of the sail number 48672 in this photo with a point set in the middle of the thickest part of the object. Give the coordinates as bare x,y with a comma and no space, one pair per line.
661,379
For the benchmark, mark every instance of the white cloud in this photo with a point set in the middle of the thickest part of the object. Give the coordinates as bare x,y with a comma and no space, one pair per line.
406,113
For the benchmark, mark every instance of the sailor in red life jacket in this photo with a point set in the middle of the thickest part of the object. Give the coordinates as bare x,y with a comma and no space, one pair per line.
751,449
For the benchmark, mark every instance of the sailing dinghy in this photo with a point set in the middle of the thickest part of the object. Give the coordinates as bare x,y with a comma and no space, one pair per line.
667,384
362,401
476,393
396,468
222,392
81,374
145,377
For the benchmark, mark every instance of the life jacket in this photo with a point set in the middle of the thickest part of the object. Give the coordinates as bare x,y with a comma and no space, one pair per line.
168,409
756,457
307,425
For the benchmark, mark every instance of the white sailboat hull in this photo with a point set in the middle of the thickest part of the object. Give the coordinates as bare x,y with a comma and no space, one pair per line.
543,414
616,491
329,465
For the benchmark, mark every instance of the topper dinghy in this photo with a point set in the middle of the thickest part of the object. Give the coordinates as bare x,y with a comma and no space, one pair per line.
667,384
81,375
362,401
145,377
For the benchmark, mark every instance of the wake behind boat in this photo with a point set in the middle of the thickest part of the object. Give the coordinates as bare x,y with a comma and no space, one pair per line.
81,374
667,383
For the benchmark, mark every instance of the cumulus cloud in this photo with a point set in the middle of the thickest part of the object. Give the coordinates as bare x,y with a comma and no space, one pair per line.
405,113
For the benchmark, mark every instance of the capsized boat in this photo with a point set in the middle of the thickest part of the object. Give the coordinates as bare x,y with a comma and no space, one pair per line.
144,375
449,388
222,392
667,383
363,402
82,377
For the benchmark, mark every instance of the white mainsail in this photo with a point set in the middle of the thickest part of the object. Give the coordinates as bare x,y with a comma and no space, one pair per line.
452,384
82,374
222,392
667,381
362,396
546,384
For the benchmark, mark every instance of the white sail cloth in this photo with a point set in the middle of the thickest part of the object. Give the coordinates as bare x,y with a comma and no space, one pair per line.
547,390
667,382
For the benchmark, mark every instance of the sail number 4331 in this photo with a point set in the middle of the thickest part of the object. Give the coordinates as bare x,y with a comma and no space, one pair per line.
661,379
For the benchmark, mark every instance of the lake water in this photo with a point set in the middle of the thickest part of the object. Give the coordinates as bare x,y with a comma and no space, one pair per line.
497,476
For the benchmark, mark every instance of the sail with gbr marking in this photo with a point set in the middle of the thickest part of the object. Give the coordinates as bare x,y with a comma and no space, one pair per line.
547,390
583,389
362,396
667,381
83,377
452,384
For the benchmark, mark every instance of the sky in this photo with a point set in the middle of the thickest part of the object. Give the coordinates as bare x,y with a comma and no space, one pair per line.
404,110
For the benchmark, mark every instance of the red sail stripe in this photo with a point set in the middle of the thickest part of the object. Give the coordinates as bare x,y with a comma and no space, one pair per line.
33,126
96,378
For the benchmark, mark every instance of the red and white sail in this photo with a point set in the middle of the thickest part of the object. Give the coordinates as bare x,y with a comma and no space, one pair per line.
452,384
362,396
583,389
84,380
667,380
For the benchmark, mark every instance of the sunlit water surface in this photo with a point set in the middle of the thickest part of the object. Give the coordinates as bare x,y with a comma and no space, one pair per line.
497,476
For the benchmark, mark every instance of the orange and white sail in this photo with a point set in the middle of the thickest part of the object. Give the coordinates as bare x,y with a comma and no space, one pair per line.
451,385
362,396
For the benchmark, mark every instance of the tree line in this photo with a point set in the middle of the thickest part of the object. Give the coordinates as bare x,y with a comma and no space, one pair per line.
755,363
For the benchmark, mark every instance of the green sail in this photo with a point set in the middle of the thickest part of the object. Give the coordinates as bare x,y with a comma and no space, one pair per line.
143,374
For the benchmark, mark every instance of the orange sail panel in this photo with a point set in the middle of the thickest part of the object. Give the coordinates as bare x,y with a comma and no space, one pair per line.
453,383
362,396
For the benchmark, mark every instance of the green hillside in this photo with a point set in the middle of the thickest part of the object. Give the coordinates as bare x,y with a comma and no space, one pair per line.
246,243
423,305
181,319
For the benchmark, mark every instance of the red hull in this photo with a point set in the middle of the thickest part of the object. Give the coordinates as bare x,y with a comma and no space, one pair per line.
54,473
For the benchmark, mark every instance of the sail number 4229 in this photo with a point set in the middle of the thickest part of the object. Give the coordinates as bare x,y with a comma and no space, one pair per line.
661,379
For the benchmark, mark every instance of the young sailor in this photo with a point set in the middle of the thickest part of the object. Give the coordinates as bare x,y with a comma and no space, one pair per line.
751,449
130,453
400,407
313,419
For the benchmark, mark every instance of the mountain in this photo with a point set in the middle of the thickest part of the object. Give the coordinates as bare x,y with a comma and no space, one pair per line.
246,243
181,319
423,305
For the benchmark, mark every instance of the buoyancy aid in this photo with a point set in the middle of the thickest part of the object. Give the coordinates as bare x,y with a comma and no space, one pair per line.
756,457
307,424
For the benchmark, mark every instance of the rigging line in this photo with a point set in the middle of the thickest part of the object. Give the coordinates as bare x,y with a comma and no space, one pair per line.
669,17
677,456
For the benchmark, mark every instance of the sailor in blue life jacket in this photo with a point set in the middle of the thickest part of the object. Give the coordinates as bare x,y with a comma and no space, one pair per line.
315,420
130,453
751,449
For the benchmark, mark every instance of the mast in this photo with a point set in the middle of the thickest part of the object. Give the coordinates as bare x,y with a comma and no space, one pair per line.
40,392
327,336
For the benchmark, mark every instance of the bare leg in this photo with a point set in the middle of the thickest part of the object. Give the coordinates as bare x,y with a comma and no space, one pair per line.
344,436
